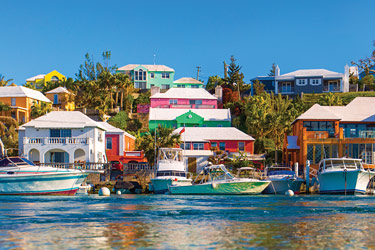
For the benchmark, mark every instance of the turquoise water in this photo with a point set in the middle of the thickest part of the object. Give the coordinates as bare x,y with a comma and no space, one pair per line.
186,222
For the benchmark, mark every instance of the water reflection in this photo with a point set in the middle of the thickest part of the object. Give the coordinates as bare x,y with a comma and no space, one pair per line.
190,222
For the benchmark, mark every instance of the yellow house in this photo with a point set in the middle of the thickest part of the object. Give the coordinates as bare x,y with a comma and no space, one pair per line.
41,80
20,99
61,98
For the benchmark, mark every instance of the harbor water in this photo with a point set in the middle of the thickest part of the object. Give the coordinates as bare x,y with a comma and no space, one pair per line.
187,222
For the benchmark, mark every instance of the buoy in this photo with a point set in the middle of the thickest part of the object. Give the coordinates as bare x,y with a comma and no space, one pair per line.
289,193
104,191
213,185
118,192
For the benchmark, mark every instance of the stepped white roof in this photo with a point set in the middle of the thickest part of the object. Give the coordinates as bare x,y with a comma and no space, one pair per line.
112,129
147,66
207,114
310,73
58,90
188,80
63,119
204,134
32,79
20,91
185,93
361,109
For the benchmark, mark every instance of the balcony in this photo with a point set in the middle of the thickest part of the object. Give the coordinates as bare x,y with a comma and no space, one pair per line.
367,134
56,140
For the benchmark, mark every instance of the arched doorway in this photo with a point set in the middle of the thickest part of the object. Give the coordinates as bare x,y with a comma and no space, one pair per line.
79,155
34,155
56,156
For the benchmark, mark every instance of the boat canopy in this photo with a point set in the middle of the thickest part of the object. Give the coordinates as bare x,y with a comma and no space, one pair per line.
212,173
340,163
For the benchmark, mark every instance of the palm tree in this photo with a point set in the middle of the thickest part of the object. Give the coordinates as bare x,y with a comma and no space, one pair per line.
4,82
149,142
330,100
39,109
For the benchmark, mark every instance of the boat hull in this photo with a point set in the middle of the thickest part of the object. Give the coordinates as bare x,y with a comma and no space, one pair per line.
221,188
42,184
333,182
160,185
281,186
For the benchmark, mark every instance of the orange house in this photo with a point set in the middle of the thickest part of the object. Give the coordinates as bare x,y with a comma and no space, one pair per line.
333,131
61,99
20,99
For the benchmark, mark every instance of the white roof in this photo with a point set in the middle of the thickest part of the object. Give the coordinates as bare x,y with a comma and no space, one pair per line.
310,73
204,134
32,79
63,119
147,66
20,91
185,93
188,80
112,129
361,109
207,114
198,153
58,90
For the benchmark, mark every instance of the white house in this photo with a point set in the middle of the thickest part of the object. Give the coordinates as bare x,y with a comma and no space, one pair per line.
62,137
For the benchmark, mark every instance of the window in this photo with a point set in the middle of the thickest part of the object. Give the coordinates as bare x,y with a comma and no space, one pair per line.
152,75
316,81
333,86
198,146
164,75
213,144
140,85
286,87
55,99
241,146
54,79
195,86
185,146
196,102
140,75
301,82
13,101
165,86
60,133
109,142
222,145
173,101
100,136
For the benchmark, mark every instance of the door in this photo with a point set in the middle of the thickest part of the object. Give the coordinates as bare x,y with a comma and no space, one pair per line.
192,164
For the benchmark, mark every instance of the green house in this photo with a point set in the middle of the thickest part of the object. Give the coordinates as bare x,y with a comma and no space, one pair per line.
147,76
176,118
187,82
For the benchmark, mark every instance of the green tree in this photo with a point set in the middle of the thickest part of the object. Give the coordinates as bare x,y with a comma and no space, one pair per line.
273,70
213,82
8,134
235,77
4,82
120,120
258,87
367,65
330,100
164,138
39,109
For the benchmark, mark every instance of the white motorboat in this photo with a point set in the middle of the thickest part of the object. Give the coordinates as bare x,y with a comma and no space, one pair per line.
282,179
216,179
343,176
170,168
19,176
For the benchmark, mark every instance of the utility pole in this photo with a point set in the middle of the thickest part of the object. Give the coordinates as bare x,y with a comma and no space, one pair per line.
198,70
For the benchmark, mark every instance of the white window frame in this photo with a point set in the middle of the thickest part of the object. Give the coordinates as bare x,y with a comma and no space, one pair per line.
299,82
165,75
318,81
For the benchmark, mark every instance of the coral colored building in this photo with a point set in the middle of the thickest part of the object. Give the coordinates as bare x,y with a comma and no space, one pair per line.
187,98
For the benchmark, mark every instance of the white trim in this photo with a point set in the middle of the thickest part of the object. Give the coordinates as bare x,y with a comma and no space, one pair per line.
318,81
298,82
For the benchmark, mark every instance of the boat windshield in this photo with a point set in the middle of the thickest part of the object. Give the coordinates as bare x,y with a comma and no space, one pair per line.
342,164
170,154
212,173
14,161
171,173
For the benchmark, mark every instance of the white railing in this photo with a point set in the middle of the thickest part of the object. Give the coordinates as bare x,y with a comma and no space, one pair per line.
56,140
367,134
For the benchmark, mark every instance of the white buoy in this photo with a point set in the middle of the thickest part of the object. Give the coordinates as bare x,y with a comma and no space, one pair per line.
104,191
118,192
214,185
289,193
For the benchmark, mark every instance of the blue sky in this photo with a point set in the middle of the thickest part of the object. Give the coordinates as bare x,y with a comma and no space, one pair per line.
40,36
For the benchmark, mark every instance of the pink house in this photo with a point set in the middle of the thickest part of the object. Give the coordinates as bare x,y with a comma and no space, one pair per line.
187,98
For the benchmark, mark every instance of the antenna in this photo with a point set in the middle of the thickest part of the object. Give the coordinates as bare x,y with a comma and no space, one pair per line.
198,70
154,58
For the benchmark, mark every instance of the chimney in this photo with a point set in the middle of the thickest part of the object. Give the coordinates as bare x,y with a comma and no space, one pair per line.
277,71
155,90
219,93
